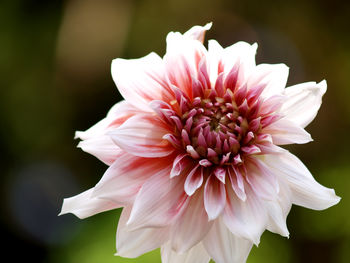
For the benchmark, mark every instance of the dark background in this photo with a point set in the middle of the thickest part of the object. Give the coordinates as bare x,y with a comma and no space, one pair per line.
55,79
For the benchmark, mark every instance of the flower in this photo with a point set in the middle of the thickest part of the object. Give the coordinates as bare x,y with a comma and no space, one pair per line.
193,151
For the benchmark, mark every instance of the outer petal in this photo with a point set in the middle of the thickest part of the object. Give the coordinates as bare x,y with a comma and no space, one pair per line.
124,178
278,211
273,76
141,80
224,247
305,191
132,244
83,205
118,114
303,102
246,219
284,132
159,202
198,32
102,147
95,139
191,226
196,254
142,135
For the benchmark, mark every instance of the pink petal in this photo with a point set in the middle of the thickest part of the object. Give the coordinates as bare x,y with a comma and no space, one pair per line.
141,80
97,142
180,164
124,178
224,247
84,205
194,180
132,244
214,197
159,202
303,102
196,254
237,183
220,174
142,135
191,227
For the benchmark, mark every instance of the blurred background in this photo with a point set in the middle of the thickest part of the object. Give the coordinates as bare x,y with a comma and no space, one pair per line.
55,61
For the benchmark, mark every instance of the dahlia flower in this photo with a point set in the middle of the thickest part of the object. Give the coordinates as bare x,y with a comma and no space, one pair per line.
194,152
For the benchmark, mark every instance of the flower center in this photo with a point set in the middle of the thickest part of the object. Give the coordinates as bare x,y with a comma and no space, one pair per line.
215,130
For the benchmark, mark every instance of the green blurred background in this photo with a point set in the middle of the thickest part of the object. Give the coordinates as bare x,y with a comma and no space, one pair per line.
55,78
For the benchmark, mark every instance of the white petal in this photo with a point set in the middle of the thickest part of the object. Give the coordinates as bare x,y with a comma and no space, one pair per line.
284,132
102,147
124,178
159,202
303,102
142,135
83,205
278,219
262,181
196,254
198,32
132,244
305,190
95,139
214,197
274,76
215,51
224,247
120,112
191,226
245,219
141,80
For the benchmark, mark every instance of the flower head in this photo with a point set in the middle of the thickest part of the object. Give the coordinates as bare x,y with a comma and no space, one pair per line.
193,151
